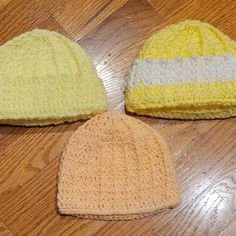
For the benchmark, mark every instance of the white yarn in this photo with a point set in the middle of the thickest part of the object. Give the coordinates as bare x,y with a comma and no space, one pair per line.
183,70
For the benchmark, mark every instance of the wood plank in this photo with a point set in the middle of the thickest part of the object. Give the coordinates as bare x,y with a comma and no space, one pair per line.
53,25
114,44
79,17
4,230
221,15
229,230
166,7
3,3
35,202
23,15
26,151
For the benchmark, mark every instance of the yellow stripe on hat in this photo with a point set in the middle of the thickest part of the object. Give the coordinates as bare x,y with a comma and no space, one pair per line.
183,101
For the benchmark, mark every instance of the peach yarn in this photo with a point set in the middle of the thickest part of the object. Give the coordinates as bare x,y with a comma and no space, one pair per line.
115,167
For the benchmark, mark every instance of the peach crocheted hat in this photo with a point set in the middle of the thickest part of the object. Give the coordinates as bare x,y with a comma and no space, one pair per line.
115,167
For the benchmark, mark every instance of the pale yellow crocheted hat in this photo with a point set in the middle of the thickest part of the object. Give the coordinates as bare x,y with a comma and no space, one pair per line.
46,78
184,71
115,167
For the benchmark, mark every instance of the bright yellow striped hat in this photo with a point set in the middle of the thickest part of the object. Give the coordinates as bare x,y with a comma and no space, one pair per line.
184,71
46,78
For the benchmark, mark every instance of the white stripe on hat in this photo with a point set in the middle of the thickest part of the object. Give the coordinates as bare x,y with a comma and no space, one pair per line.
183,70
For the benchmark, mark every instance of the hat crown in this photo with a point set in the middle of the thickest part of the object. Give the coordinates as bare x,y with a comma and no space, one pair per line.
185,39
41,53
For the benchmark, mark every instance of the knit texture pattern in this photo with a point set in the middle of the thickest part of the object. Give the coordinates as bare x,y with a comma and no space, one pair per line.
115,167
184,71
46,78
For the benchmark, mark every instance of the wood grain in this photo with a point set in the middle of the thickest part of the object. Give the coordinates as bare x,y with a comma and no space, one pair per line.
4,3
166,7
79,17
22,15
26,151
4,230
221,15
115,43
204,152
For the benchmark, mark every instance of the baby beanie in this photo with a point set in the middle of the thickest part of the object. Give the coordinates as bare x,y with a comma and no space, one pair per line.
115,167
184,71
45,78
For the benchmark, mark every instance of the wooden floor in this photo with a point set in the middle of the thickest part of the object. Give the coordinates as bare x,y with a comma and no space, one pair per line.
112,32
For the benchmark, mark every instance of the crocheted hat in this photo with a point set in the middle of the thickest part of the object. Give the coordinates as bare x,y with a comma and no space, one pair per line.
47,79
185,71
115,167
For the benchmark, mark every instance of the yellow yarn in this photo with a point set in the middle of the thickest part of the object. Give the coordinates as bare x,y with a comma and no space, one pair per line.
197,102
186,39
184,100
47,79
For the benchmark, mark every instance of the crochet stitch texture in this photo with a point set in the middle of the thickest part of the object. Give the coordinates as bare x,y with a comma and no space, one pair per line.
115,167
184,71
45,78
